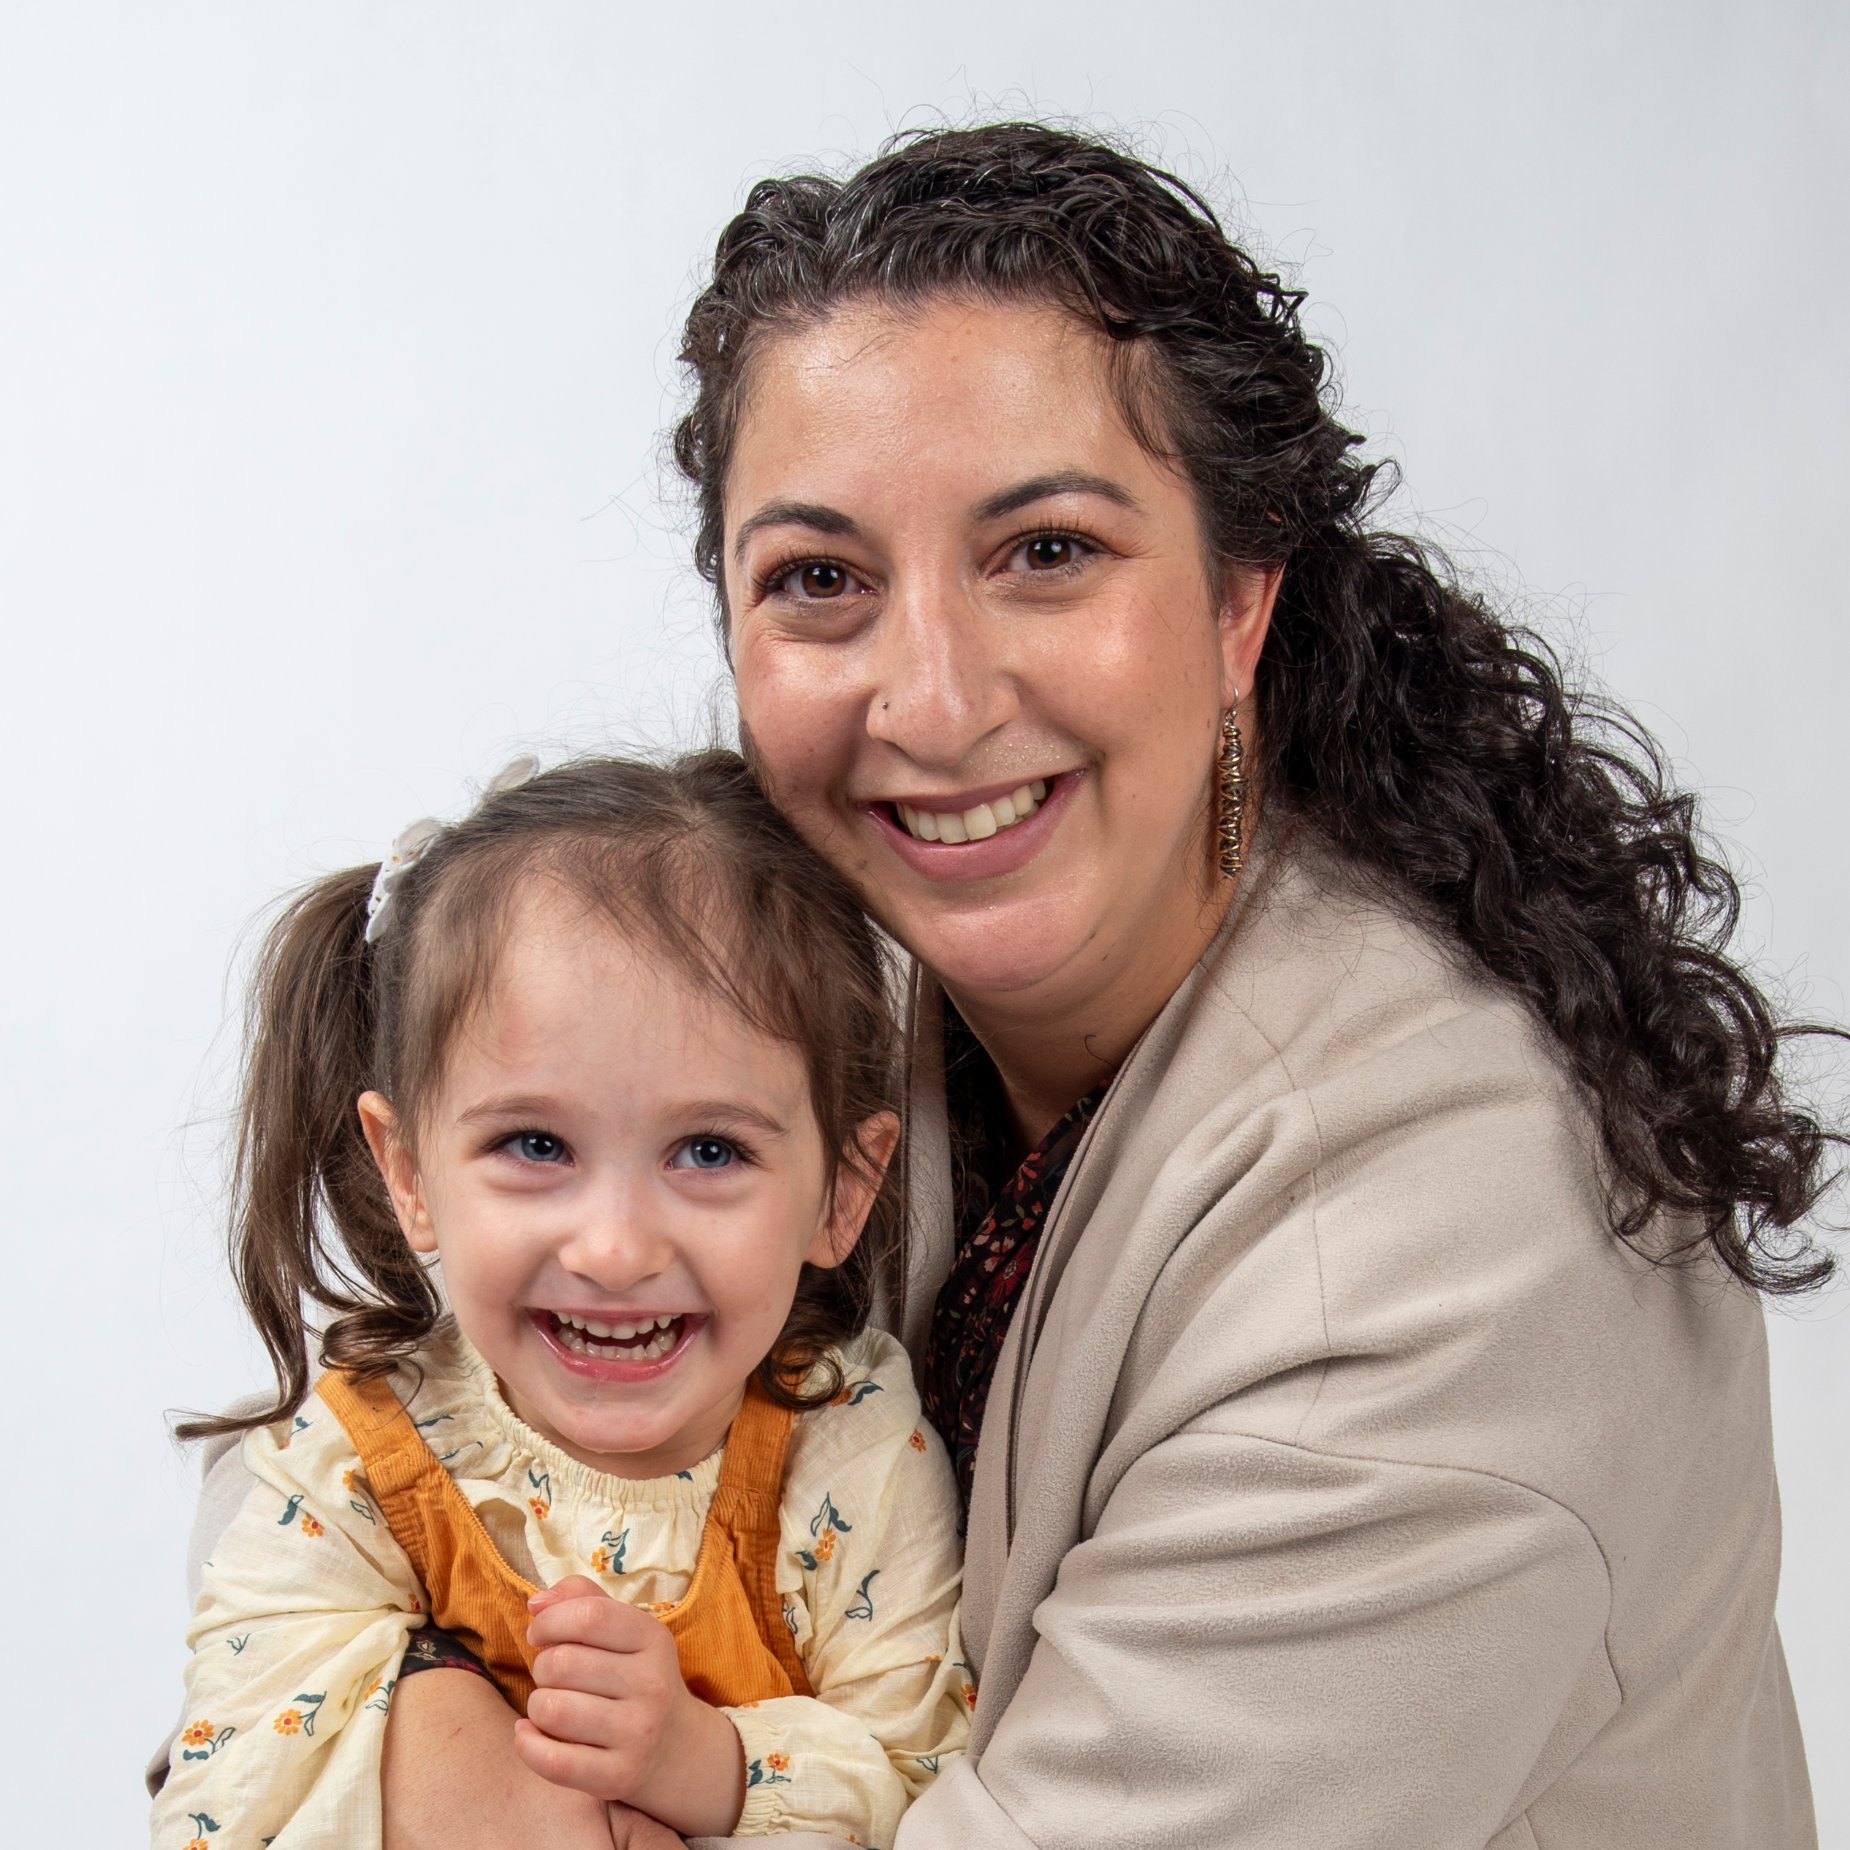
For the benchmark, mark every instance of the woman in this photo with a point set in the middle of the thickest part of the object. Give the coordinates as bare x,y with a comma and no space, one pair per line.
1343,1161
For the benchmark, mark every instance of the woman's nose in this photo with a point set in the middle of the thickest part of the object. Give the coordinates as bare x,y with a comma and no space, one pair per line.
939,684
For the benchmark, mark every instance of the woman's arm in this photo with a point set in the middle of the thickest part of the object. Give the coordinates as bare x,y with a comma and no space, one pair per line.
452,1780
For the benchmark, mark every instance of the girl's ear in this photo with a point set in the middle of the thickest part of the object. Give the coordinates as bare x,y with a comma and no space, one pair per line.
396,1165
857,1182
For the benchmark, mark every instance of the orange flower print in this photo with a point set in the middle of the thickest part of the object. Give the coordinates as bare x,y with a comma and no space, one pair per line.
302,1720
311,1527
823,1526
540,1503
346,1478
778,1763
197,1843
197,1734
540,1507
969,1695
917,1441
662,1607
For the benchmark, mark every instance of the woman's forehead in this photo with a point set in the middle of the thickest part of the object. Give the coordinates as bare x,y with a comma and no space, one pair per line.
870,373
957,400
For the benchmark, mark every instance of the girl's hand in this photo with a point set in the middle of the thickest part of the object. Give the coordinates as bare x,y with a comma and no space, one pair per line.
612,1717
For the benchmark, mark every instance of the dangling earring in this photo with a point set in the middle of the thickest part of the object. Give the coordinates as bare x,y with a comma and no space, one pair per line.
1230,820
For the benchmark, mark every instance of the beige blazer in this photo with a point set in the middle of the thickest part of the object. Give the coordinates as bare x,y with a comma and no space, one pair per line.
1345,1483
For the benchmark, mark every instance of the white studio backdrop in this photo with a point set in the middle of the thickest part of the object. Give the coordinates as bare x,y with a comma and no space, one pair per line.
335,343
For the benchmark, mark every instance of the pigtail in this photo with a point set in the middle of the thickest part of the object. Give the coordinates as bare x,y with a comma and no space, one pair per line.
312,1224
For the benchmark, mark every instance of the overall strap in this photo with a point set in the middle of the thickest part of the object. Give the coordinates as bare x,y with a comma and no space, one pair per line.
472,1590
729,1630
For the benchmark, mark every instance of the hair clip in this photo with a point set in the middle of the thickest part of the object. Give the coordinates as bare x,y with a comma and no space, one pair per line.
409,847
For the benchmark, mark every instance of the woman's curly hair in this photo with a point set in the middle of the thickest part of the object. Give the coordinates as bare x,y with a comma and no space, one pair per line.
1435,743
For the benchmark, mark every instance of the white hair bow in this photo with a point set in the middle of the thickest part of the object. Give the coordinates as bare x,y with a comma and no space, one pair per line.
412,841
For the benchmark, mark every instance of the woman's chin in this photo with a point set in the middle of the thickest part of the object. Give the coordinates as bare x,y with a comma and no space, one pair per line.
1001,952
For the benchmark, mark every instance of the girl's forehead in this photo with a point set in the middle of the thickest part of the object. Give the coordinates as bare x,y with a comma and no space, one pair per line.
572,990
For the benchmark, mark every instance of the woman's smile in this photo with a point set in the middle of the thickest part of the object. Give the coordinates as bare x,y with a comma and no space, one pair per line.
975,835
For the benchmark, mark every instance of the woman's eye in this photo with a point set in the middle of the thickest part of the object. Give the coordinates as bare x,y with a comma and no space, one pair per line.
703,1153
539,1147
1048,552
821,578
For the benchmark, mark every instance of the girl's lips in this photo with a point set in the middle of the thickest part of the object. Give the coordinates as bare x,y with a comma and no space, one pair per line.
613,1368
1002,853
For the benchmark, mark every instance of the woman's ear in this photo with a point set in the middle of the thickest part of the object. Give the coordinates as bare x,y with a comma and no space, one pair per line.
400,1170
1245,616
857,1182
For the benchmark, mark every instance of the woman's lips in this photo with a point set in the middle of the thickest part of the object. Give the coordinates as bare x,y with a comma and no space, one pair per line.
593,1358
1008,848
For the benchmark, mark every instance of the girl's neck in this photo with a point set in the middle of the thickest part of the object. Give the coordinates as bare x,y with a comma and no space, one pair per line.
698,1440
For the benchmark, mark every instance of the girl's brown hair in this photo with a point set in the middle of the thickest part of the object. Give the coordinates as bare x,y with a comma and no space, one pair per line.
688,858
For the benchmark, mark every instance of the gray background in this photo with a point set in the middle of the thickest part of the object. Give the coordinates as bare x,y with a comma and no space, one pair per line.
334,342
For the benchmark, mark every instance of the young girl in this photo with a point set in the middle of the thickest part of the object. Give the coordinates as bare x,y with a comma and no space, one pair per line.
615,1050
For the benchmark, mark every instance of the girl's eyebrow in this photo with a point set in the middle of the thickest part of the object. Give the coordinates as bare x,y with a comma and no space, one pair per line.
523,1106
730,1111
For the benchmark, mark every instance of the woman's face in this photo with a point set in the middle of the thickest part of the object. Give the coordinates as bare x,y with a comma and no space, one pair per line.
979,654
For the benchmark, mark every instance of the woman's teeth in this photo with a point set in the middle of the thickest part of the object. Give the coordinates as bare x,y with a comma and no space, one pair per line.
976,824
630,1342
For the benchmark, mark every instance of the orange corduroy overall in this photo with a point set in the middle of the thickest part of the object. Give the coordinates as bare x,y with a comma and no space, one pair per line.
728,1628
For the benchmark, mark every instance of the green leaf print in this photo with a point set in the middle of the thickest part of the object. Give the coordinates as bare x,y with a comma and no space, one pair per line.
202,1823
768,1772
288,1515
863,1607
608,1559
823,1526
857,1391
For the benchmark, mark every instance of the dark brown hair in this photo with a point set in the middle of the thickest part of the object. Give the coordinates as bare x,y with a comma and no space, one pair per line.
1437,745
686,857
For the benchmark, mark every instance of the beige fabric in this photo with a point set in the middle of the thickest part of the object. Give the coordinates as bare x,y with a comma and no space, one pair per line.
1344,1482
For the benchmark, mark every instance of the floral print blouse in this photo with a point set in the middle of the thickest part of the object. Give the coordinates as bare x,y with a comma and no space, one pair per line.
308,1602
998,1217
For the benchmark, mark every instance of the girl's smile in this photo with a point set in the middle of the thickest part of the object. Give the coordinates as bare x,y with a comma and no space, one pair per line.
622,1346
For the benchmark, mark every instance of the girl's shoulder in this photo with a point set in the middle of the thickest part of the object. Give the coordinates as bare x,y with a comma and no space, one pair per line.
438,1386
872,1425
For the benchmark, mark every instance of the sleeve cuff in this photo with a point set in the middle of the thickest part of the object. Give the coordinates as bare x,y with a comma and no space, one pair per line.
768,1774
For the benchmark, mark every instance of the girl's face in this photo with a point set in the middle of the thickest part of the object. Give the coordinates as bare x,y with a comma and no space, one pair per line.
622,1180
978,650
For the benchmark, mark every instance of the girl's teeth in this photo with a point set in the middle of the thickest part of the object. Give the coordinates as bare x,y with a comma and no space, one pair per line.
977,823
586,1336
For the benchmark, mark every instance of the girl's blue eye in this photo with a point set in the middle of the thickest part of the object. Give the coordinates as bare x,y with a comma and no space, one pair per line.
703,1153
539,1147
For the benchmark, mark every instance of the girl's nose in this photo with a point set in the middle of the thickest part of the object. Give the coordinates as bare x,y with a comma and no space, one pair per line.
612,1243
939,684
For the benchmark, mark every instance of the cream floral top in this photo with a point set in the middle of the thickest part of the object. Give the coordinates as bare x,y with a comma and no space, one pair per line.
307,1602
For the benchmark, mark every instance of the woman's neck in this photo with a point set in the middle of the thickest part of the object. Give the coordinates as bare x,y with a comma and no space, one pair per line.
1054,1043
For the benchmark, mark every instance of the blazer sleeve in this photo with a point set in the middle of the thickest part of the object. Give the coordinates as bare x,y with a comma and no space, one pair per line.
1373,1654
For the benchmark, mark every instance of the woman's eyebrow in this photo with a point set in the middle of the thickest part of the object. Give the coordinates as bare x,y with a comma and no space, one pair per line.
1040,487
811,514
